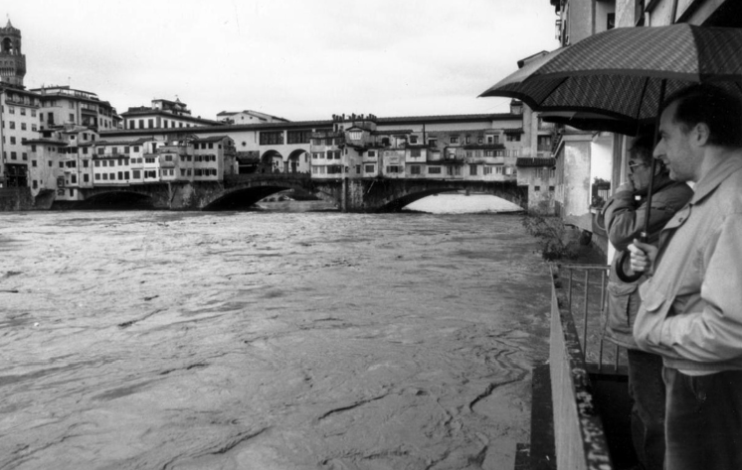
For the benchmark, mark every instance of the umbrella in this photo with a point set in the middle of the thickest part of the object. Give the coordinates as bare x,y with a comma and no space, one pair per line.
623,75
621,72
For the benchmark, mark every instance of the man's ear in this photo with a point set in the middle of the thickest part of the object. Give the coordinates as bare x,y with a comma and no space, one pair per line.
701,134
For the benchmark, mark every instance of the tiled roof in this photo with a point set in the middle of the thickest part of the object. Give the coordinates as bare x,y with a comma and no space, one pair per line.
535,162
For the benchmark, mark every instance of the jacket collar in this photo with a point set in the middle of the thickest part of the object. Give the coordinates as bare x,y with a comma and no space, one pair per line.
724,166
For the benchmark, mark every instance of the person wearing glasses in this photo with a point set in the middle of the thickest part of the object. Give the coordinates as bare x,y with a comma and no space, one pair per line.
624,215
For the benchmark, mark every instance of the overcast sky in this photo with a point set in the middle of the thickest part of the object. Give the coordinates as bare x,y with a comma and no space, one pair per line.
298,59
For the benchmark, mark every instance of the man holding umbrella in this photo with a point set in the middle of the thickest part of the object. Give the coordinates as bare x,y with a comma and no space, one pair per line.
625,215
691,312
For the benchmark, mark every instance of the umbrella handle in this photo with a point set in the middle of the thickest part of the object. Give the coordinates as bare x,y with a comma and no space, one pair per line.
621,272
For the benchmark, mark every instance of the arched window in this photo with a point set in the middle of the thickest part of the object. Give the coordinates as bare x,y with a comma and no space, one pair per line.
8,45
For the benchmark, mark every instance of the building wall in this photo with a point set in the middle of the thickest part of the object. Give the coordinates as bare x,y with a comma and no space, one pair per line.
575,188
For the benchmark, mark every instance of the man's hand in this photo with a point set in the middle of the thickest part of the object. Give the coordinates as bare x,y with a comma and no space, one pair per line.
627,186
642,256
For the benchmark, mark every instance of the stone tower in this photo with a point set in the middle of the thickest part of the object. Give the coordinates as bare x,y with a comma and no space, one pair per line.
12,61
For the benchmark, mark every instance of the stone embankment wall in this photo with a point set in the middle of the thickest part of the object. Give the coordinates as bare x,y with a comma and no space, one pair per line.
16,199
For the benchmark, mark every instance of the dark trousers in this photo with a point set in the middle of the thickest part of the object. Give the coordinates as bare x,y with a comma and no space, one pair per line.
647,391
704,420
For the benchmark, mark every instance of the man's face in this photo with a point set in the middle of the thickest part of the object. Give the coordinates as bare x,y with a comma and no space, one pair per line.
674,147
640,173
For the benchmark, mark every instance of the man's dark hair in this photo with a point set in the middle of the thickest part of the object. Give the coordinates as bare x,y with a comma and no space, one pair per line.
642,147
720,110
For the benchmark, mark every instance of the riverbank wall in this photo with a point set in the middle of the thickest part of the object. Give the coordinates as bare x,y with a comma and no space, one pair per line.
16,199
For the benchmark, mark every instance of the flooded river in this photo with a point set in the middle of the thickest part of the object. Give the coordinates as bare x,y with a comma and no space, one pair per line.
158,340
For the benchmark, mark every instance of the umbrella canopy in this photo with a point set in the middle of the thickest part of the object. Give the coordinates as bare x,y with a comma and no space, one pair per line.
621,73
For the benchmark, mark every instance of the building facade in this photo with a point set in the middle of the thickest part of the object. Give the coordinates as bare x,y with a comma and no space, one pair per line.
163,114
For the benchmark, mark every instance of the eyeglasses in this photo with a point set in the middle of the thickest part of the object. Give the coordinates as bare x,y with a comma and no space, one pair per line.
632,167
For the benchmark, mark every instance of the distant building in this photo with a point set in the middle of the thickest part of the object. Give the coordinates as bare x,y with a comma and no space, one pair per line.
19,115
12,60
539,176
247,117
163,114
458,147
65,106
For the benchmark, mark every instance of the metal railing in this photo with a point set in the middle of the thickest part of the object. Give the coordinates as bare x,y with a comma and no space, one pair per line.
580,439
587,300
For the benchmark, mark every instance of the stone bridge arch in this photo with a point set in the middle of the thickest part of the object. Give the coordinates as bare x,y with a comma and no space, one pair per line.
241,193
390,195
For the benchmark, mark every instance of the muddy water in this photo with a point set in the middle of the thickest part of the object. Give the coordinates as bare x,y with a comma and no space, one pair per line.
143,340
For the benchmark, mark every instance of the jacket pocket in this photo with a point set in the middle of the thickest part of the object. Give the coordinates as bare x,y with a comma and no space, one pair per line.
623,304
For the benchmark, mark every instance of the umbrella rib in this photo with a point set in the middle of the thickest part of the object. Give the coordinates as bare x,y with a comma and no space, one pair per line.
638,113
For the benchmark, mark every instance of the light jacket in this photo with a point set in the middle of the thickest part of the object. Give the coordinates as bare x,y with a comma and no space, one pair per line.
691,312
624,221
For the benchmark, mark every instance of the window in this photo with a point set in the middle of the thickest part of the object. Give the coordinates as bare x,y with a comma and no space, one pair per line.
12,140
544,142
298,137
415,169
370,169
34,127
74,179
271,138
413,139
97,163
358,169
513,137
137,175
97,176
432,142
13,155
454,139
86,178
537,188
434,170
33,163
372,153
150,123
72,117
23,126
25,156
11,109
35,184
487,170
12,124
333,154
392,169
415,153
